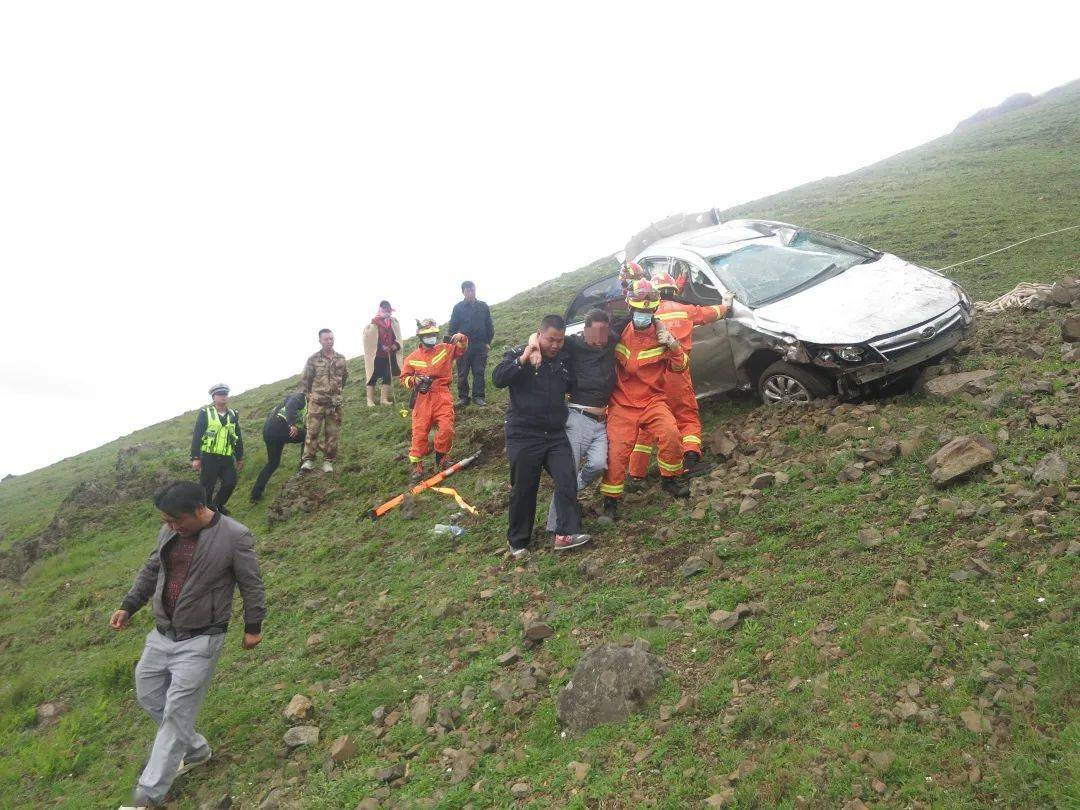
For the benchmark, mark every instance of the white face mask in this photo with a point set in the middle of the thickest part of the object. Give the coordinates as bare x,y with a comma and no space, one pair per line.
642,320
429,340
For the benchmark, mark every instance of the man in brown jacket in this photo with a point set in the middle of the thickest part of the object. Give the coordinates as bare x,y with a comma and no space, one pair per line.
323,380
200,557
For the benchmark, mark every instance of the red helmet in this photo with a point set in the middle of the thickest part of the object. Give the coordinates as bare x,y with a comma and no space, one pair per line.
630,272
664,281
643,296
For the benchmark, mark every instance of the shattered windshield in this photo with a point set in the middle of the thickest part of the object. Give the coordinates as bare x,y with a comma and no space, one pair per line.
759,274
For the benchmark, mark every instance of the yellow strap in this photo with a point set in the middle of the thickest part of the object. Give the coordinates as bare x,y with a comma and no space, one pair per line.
453,494
621,349
648,354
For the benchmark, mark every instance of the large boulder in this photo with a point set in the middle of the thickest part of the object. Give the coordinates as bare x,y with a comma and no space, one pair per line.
1070,328
1066,292
957,458
1050,469
608,685
949,385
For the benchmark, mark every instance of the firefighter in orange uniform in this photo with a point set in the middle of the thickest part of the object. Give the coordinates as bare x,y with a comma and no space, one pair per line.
645,355
428,371
680,320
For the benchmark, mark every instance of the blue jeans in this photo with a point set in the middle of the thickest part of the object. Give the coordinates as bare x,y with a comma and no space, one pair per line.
588,444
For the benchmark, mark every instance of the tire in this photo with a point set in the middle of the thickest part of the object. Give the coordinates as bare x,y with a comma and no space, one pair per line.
785,382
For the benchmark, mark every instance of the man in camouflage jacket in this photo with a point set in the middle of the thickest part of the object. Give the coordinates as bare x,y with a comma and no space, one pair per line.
322,381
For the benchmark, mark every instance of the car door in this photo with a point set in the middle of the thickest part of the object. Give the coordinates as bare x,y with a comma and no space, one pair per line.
711,363
605,294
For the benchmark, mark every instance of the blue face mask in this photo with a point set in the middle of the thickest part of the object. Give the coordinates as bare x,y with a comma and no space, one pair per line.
429,340
642,320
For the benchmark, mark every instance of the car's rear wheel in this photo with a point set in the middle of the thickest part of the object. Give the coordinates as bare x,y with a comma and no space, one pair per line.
785,382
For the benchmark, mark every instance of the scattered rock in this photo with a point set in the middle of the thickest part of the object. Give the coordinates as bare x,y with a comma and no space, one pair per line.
299,709
1070,328
460,764
870,537
538,631
724,619
763,480
579,770
509,658
389,773
590,568
949,385
420,709
975,722
1050,469
520,790
49,714
722,799
959,457
342,749
301,735
881,760
609,683
1066,292
693,565
901,590
748,504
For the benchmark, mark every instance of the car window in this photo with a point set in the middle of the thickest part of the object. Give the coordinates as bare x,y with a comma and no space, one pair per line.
695,287
656,264
762,273
605,294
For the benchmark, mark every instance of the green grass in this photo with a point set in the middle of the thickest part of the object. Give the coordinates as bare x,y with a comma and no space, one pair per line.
371,590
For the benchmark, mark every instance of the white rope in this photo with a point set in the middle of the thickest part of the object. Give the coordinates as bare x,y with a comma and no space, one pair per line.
1018,296
1009,247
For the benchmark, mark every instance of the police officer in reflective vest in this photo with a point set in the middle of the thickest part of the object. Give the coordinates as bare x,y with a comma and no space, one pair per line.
217,448
284,425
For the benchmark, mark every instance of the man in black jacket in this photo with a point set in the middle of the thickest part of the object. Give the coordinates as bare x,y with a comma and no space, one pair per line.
217,448
539,378
283,426
472,318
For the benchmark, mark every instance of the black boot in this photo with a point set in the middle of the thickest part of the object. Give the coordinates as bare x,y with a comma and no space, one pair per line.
694,466
675,488
611,508
633,485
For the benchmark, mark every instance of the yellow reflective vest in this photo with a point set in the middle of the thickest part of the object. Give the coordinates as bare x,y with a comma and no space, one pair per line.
220,436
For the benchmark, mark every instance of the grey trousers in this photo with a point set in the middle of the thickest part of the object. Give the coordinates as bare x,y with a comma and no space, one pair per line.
170,682
588,443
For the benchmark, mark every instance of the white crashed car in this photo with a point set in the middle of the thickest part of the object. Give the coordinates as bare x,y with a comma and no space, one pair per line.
814,314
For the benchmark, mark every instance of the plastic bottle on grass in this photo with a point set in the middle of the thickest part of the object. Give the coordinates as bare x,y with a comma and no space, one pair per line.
446,530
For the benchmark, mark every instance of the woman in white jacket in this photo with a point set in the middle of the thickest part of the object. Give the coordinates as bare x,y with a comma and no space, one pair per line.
382,353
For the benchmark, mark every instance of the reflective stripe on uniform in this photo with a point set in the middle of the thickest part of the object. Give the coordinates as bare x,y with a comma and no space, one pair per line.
219,437
643,448
718,309
671,468
648,354
620,348
414,459
611,489
678,315
418,363
435,360
679,366
692,439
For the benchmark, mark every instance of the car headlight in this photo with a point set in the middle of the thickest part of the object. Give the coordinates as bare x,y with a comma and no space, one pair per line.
852,354
965,301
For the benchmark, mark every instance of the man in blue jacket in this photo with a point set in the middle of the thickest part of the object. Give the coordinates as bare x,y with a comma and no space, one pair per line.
472,318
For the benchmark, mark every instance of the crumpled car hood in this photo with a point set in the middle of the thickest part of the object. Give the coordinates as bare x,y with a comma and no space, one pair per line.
865,302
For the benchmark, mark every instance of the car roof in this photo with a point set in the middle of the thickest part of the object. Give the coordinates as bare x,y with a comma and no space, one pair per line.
712,240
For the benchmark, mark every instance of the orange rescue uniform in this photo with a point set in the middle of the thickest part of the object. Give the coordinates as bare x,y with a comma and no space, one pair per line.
680,320
641,365
435,409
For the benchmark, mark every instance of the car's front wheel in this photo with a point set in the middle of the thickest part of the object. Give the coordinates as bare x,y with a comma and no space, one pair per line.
785,382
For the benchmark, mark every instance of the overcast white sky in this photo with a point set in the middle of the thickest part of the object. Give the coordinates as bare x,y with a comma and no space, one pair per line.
188,191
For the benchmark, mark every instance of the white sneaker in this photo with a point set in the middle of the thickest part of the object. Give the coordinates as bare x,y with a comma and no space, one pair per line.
327,467
186,766
308,465
519,553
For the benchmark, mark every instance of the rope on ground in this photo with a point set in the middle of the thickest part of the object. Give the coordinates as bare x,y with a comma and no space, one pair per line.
1009,247
453,494
1018,296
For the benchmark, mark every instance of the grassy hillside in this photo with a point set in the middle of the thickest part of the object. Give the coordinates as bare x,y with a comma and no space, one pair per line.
846,687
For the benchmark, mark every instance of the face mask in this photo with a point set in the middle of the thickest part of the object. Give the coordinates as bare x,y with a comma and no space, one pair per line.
429,340
642,320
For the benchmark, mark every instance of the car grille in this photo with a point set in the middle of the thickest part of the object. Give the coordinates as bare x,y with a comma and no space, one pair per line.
923,341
